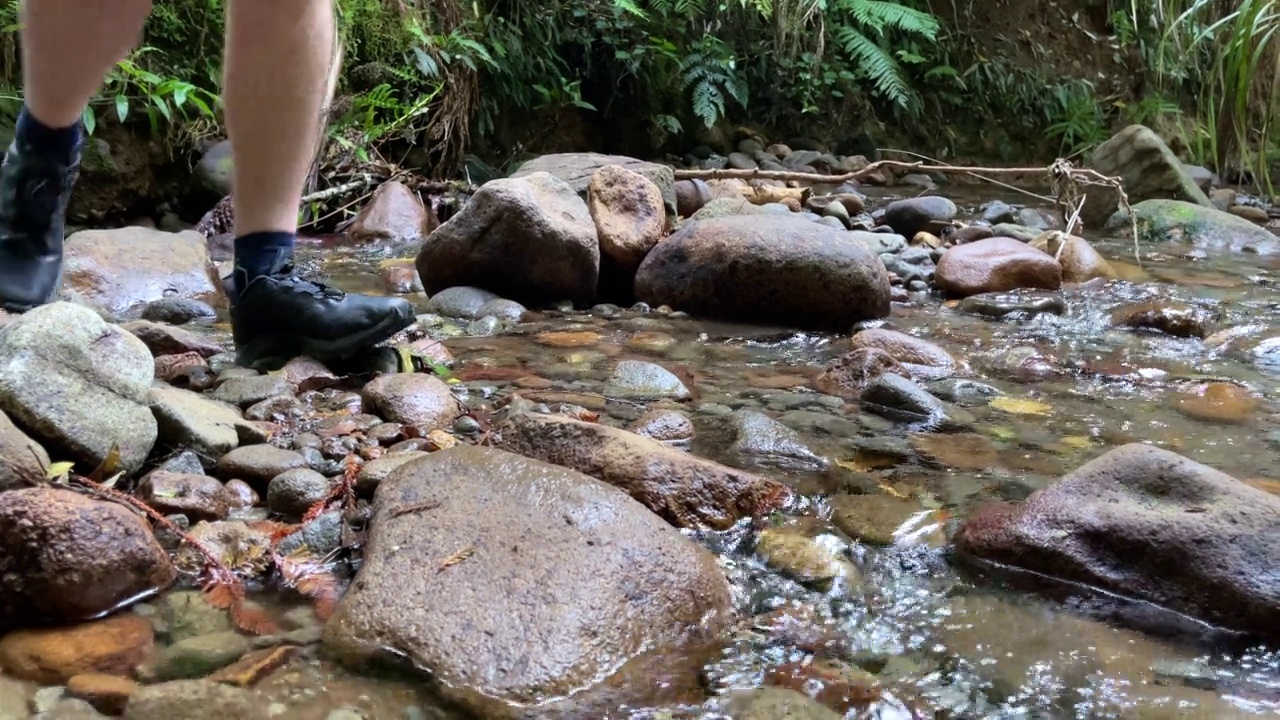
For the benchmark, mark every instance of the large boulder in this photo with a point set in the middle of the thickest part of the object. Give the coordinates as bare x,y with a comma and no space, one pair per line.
687,490
1206,228
120,270
767,269
531,239
995,265
79,384
576,169
1149,524
513,583
628,212
65,557
1147,169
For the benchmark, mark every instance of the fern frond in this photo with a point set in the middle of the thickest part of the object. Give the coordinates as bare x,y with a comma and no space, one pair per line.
877,64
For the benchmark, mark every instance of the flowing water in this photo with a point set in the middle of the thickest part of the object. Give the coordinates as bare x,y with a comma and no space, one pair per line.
943,642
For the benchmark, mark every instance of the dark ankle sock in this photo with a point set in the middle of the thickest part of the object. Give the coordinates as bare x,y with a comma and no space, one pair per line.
258,254
61,142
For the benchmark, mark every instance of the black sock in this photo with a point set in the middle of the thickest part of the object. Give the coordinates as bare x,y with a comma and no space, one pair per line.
258,254
61,143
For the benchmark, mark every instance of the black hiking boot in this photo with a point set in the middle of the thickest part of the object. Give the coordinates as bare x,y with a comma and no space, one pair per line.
279,316
34,192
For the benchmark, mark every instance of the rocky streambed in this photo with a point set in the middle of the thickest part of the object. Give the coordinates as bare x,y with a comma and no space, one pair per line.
903,459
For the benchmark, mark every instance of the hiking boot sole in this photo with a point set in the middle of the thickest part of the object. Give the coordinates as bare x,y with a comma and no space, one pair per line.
271,353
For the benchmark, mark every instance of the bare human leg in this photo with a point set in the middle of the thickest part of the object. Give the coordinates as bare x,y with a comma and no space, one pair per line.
278,68
68,46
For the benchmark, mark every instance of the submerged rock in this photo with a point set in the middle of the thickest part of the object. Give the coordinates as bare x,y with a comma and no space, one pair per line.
922,358
1206,228
472,551
1148,524
66,557
52,656
766,269
686,490
639,379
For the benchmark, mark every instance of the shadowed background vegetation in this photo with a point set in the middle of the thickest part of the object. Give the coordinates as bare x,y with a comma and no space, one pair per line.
427,84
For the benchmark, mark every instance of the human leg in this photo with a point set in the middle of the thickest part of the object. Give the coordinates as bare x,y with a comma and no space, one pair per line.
68,46
277,68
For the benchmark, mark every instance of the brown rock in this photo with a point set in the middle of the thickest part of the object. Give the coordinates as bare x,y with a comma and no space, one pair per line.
849,374
1149,524
1172,318
628,212
413,399
664,426
883,519
968,234
23,461
252,668
1080,262
240,495
921,357
199,497
393,213
555,555
66,557
374,472
529,239
996,264
957,451
1218,402
123,268
691,195
188,371
686,490
839,686
306,374
52,656
1250,213
764,269
163,339
108,694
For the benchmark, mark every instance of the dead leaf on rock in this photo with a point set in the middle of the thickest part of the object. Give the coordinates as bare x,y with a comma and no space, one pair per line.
455,558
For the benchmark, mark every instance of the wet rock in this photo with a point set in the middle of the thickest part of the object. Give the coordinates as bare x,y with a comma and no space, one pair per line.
962,391
996,264
1021,233
319,538
1147,169
502,309
686,490
23,461
120,270
721,207
188,371
52,656
848,375
375,471
196,657
188,614
177,311
1255,215
530,238
883,519
758,439
168,340
972,233
1028,301
1149,524
775,704
879,243
628,212
194,700
67,557
806,553
245,391
188,420
78,384
71,709
766,269
691,196
912,215
1080,262
996,212
1218,402
460,302
199,497
919,356
413,399
293,492
576,169
402,278
394,213
1206,228
1177,319
670,426
636,379
528,537
240,495
899,398
257,464
13,700
1036,218
108,694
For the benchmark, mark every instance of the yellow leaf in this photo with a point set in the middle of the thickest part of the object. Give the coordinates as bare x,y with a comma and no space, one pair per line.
58,469
1019,406
1077,442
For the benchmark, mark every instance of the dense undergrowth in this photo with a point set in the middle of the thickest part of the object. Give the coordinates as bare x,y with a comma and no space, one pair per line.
503,77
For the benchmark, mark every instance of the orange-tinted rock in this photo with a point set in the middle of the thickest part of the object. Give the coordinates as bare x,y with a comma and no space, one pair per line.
994,265
393,213
252,668
918,355
847,375
1172,318
52,656
108,694
629,214
1218,402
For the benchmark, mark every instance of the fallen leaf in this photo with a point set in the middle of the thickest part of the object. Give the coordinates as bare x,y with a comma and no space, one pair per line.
1019,406
59,470
440,440
455,558
1077,442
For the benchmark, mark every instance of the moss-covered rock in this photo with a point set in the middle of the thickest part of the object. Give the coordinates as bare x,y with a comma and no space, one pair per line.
1204,227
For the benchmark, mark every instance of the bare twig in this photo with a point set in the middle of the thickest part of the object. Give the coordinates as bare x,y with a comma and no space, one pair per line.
359,183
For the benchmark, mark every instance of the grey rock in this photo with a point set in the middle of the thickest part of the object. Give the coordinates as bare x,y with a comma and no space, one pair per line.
187,419
177,311
502,309
293,492
760,440
245,391
194,700
1147,169
636,379
912,215
1206,228
460,302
